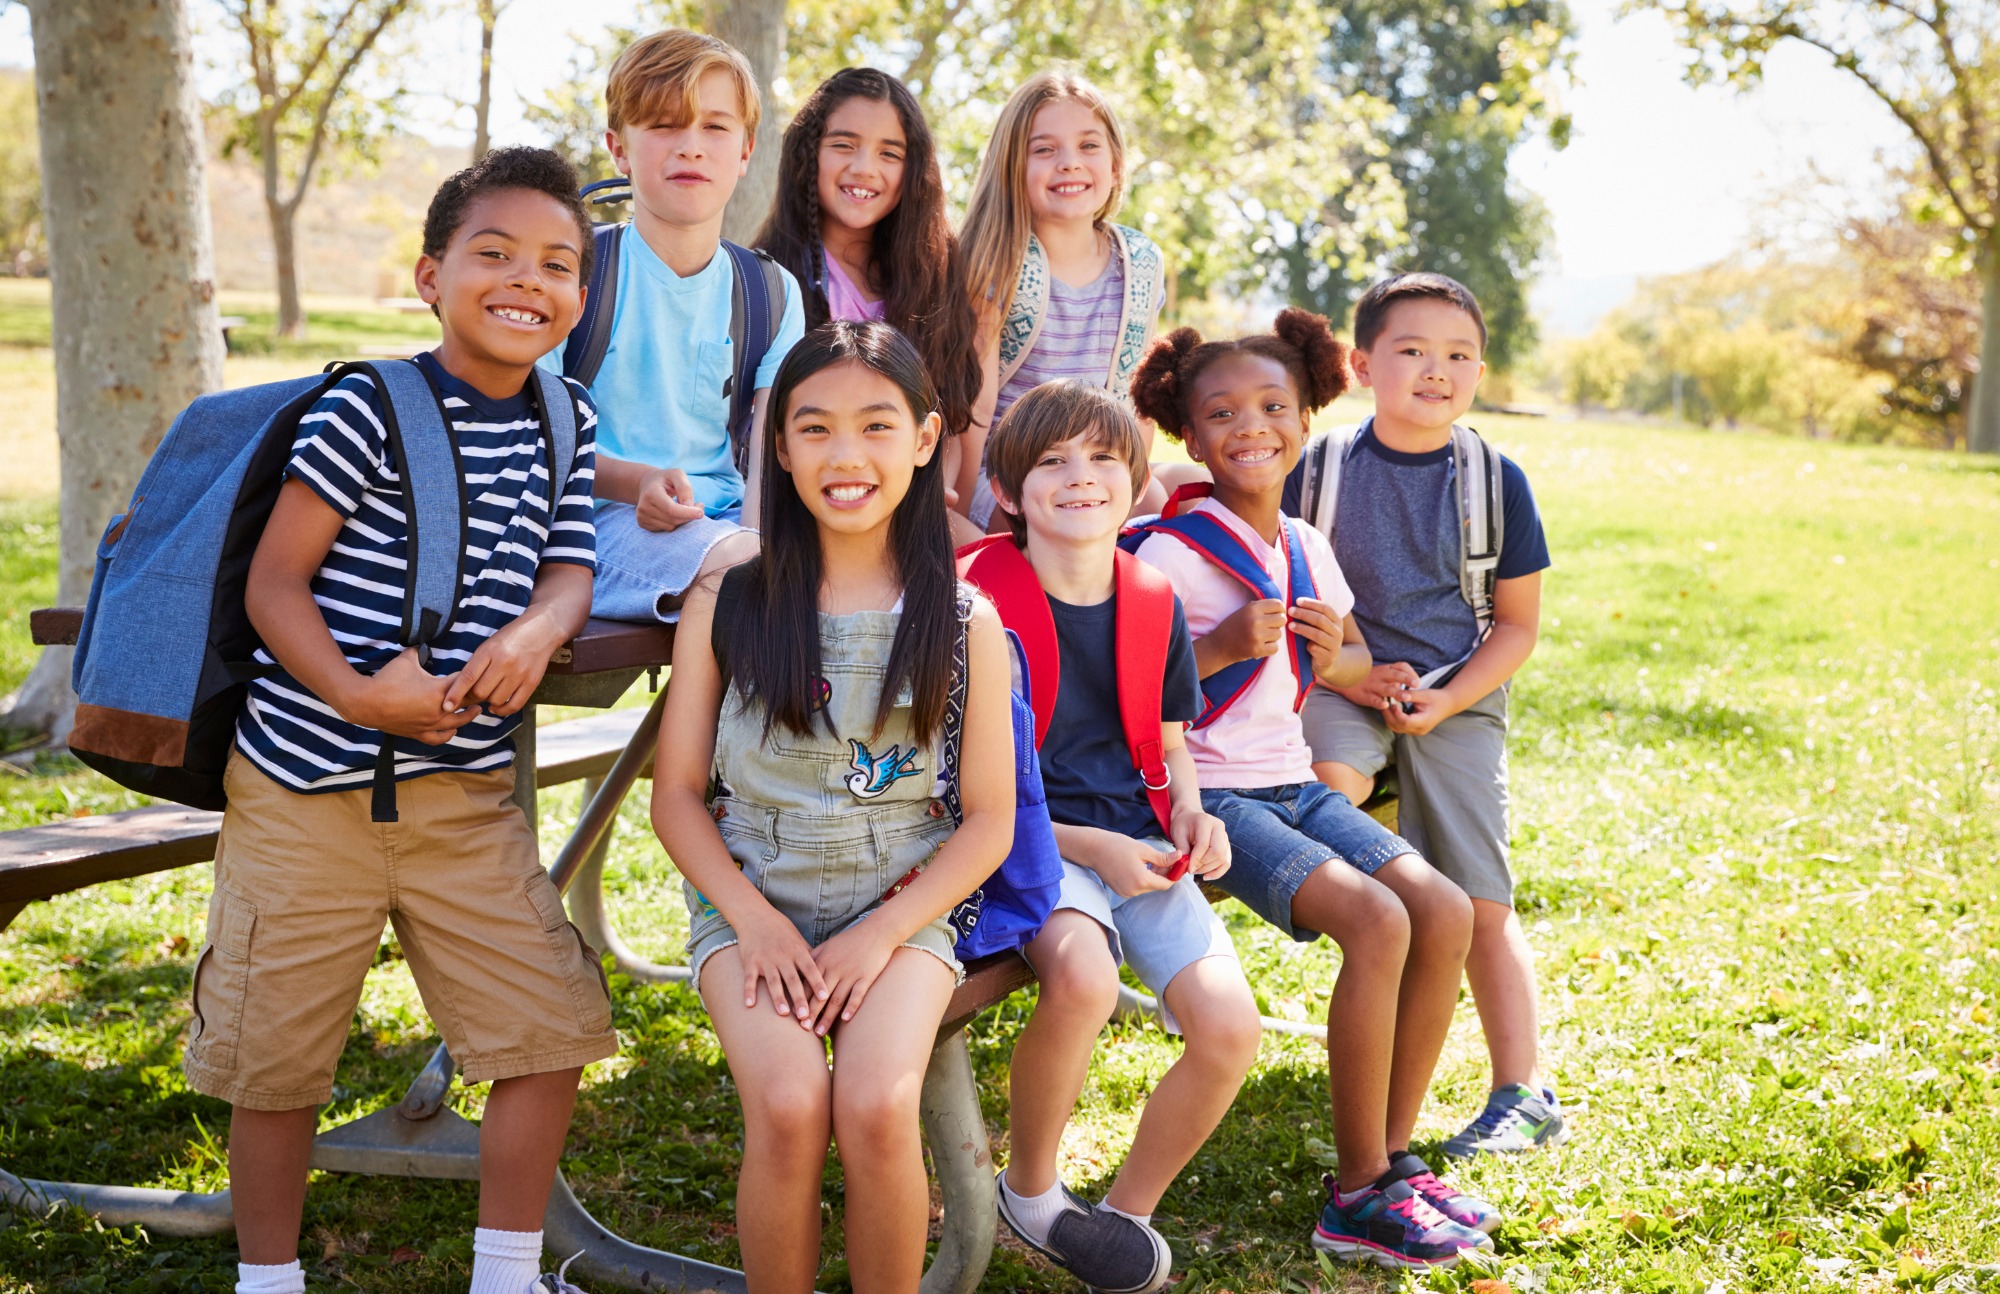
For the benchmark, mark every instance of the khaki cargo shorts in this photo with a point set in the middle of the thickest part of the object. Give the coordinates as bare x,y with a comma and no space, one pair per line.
303,884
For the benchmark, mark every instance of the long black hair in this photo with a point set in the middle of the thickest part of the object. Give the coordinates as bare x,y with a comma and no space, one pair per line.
774,635
917,260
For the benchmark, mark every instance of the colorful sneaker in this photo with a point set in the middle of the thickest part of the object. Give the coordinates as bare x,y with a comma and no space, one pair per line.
1466,1210
556,1282
1515,1120
1392,1226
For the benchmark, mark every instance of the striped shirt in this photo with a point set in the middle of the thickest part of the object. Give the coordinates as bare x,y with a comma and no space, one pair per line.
1078,335
341,452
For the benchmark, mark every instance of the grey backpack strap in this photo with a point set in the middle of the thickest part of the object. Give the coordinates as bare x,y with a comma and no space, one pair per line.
1319,493
559,420
1482,521
427,463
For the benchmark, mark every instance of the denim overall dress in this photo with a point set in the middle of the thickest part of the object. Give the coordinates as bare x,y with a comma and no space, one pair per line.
824,824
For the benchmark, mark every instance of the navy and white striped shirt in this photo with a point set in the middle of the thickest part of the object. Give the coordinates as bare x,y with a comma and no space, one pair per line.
341,452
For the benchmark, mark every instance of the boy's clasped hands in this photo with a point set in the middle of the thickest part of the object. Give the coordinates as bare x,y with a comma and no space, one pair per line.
1406,708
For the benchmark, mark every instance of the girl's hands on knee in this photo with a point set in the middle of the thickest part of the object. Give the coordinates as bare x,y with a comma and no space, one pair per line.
773,951
850,963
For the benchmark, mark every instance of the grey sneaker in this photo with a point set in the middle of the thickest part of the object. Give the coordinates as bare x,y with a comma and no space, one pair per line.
1515,1120
1111,1253
556,1282
1074,1204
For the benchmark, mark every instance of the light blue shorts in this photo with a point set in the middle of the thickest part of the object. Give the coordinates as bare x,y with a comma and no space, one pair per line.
637,567
1158,934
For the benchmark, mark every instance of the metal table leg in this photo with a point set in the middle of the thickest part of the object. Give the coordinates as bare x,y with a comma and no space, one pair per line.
963,1162
164,1213
1133,1004
586,909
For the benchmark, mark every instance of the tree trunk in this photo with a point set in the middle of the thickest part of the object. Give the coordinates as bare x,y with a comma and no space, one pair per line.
757,27
482,111
132,271
285,250
1982,422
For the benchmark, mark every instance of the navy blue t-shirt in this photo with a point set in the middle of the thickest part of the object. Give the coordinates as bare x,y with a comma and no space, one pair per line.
1397,536
1087,768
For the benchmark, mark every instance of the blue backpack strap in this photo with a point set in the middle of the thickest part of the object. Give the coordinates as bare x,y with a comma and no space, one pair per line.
583,355
754,317
427,463
1220,546
559,420
1302,585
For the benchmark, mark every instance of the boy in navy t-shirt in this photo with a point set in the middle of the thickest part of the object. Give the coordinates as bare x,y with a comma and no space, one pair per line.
1065,464
306,873
1436,705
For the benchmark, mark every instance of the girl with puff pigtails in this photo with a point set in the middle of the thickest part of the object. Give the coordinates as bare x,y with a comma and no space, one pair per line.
833,777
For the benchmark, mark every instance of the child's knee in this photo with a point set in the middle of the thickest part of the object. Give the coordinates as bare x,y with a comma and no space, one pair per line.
1378,925
797,1111
1441,916
877,1117
1073,963
731,550
1350,782
1224,1030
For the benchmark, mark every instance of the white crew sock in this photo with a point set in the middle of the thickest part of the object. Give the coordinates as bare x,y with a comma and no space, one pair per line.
504,1262
1035,1214
1143,1219
279,1278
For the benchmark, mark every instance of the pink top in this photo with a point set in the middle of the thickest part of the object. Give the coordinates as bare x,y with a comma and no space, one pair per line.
844,300
1257,742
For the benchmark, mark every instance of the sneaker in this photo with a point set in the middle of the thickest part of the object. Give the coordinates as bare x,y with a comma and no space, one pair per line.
1515,1120
1466,1210
1392,1226
556,1282
1108,1252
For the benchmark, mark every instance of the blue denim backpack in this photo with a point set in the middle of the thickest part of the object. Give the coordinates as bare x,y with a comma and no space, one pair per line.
165,655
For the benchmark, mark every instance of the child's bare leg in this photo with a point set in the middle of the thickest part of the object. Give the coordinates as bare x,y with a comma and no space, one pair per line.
879,1058
520,1144
1218,1019
1367,920
1440,930
1501,971
1350,782
787,1095
1051,1063
269,1151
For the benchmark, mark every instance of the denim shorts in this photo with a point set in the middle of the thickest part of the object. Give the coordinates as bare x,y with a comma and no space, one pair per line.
1158,934
637,567
1280,835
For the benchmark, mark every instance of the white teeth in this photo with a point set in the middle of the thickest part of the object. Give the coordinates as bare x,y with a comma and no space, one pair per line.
518,316
1253,455
847,493
860,195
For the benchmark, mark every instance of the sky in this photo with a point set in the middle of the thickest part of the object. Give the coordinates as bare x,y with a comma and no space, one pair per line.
1660,177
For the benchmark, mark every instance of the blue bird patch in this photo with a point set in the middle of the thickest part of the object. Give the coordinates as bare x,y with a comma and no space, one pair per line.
874,774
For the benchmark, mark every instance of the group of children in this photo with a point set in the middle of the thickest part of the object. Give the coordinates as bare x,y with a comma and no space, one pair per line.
1219,673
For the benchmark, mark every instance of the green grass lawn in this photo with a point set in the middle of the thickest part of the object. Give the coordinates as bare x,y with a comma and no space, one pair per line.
335,326
1756,804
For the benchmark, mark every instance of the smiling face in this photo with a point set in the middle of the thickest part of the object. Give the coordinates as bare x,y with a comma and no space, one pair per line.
1070,174
1077,492
1424,367
861,162
851,446
506,289
1246,423
683,174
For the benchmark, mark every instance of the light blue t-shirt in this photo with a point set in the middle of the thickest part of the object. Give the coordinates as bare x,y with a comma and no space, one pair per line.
659,393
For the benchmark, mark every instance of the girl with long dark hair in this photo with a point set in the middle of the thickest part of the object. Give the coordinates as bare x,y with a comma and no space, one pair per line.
860,221
838,704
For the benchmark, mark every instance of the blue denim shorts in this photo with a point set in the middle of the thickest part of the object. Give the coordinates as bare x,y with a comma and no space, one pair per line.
1279,835
637,567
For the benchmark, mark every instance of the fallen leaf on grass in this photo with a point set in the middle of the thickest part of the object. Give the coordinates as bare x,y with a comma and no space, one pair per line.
1491,1287
404,1254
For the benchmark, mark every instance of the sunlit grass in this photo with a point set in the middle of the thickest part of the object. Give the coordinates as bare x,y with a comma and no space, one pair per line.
1755,803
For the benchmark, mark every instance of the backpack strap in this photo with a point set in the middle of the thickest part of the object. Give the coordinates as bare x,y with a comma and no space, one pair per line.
1030,305
560,418
427,463
954,737
756,309
1139,310
1482,521
1145,619
998,569
583,354
1319,472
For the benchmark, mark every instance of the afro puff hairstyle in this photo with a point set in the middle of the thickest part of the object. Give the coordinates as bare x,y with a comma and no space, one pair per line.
1299,340
538,169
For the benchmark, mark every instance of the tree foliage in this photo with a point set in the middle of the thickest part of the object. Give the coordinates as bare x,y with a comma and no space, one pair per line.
24,244
1935,65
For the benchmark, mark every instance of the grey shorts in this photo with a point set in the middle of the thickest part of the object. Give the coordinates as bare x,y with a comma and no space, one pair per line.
1451,782
1158,934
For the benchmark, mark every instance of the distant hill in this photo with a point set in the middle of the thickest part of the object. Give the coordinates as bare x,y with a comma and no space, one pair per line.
358,236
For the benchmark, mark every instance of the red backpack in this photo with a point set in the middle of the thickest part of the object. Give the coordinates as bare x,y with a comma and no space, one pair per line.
1145,621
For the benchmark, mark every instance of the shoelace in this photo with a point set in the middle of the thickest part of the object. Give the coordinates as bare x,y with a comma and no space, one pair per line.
1492,1119
1418,1210
561,1278
1428,1184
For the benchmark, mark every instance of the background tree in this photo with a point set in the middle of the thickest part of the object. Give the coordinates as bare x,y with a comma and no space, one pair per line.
23,244
296,106
482,107
1465,83
1936,67
132,271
